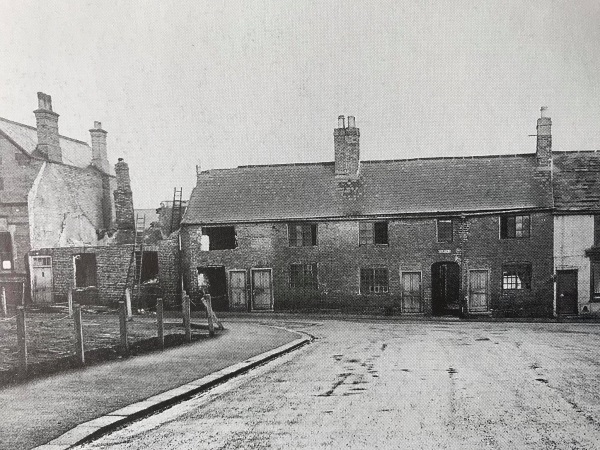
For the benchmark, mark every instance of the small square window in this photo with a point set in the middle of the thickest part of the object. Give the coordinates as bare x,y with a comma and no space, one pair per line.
302,235
516,276
374,280
515,227
444,230
373,233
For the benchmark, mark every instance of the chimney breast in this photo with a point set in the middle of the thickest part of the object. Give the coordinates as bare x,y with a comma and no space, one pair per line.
347,150
99,155
47,129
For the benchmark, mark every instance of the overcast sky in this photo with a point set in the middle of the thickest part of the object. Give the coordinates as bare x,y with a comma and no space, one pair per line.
223,84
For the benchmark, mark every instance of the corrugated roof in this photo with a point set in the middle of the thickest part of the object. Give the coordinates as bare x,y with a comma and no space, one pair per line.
416,186
74,152
576,181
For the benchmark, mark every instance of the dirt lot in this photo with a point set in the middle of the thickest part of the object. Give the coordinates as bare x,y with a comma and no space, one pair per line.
51,337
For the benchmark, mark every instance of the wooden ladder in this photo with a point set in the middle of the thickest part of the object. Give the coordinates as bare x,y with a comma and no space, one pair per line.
176,212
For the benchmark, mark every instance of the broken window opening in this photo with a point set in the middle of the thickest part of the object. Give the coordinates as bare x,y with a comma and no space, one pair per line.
6,251
149,267
374,280
373,233
444,230
304,276
516,276
302,235
85,270
220,238
515,227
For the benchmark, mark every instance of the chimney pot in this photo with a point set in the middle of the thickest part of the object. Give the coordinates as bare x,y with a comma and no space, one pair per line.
341,122
97,125
544,111
351,122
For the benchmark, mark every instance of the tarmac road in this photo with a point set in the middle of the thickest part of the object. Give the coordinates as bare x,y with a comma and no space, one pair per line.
423,385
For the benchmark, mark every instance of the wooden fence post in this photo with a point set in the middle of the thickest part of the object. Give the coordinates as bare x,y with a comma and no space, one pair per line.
123,327
128,303
185,305
211,325
22,341
79,335
70,302
160,322
4,310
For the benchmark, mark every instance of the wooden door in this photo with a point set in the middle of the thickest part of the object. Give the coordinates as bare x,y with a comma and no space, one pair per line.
237,290
478,290
262,289
41,279
411,292
566,292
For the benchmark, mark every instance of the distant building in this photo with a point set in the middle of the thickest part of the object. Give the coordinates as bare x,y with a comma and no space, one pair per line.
471,235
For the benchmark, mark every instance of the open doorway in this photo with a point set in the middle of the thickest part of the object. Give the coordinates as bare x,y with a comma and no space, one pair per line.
445,284
216,279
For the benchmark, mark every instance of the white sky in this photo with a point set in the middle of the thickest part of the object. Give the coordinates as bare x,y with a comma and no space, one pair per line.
223,84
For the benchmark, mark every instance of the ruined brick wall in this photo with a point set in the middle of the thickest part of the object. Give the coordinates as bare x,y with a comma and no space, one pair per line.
412,247
67,207
112,263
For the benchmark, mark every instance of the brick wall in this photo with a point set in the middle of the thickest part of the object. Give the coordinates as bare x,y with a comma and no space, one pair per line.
112,263
412,246
168,269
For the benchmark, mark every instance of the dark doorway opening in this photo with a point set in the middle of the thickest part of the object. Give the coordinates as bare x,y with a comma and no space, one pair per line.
566,292
215,278
445,283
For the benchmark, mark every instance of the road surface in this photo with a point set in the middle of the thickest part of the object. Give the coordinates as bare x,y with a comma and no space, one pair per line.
419,385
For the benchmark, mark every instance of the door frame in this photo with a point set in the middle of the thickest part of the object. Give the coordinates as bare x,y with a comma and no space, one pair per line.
246,290
487,306
31,276
576,272
255,269
421,306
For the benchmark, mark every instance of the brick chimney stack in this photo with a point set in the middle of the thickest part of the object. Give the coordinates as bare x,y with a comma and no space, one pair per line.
124,198
47,129
347,150
544,139
99,156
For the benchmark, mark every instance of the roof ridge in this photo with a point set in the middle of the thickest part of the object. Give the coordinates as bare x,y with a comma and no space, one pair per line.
34,128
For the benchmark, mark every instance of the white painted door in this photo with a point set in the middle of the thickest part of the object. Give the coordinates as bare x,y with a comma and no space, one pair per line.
237,290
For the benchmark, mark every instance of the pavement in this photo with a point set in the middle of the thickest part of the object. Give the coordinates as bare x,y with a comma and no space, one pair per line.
65,409
398,384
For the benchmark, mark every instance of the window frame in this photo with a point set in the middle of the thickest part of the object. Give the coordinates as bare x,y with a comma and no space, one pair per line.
517,283
374,288
437,231
505,227
303,234
368,235
10,252
300,271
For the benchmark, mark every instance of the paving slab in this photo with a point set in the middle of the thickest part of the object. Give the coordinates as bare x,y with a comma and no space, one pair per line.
39,413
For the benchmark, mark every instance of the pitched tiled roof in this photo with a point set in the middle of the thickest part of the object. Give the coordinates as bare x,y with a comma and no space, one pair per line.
417,186
74,153
576,181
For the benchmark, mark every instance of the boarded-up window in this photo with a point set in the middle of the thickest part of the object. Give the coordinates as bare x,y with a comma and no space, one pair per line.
516,276
444,230
514,227
595,281
6,251
374,280
304,276
220,238
302,235
85,270
373,233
